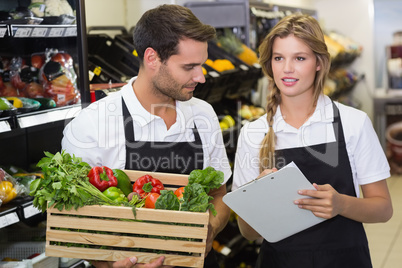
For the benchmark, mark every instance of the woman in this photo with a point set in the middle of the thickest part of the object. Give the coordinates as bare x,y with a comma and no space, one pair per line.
335,146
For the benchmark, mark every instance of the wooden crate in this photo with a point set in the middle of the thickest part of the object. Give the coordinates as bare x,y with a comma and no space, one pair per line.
112,233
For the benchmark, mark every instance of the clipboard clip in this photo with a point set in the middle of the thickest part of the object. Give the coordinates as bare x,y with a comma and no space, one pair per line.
256,179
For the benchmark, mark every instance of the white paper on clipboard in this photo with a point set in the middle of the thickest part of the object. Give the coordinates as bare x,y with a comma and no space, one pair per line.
266,204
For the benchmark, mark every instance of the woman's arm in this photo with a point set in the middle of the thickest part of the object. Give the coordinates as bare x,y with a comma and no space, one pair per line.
375,206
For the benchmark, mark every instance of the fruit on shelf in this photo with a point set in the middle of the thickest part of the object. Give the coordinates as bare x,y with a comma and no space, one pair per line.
250,112
230,43
204,71
220,65
245,112
16,102
5,104
223,125
248,55
227,122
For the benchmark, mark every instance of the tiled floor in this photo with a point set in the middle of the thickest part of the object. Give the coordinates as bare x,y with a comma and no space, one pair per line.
385,239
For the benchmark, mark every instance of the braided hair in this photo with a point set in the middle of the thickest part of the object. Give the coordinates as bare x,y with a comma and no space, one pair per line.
307,29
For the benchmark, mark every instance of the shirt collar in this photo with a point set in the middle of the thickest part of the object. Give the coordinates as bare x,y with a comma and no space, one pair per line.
323,113
143,117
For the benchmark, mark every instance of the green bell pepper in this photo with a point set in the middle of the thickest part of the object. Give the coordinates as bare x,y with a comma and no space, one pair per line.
123,181
115,194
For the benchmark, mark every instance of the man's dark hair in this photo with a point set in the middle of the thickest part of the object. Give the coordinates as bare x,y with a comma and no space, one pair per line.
163,27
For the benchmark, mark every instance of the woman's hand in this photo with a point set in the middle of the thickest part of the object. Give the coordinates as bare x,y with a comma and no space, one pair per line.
375,206
130,263
326,202
266,172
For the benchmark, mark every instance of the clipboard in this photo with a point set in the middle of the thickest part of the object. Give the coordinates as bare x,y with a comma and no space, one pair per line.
266,204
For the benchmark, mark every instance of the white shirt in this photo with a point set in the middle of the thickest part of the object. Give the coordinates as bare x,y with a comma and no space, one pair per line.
367,159
97,135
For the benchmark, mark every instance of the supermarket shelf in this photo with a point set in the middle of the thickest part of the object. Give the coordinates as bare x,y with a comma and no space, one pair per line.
3,30
20,209
8,215
37,31
37,118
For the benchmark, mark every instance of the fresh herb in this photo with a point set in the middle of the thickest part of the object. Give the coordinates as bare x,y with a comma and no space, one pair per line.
65,184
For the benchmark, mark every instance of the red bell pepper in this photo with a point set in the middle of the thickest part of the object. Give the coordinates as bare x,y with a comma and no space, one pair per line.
156,185
102,178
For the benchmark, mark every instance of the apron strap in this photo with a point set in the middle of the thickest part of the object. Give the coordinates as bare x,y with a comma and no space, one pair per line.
128,126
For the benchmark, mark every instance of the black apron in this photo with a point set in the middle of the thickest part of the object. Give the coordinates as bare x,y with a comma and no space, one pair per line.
169,157
337,242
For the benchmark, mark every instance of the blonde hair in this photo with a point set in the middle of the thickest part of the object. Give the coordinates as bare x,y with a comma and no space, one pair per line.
307,29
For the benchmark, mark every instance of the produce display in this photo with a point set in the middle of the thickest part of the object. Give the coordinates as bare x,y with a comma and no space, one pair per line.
46,8
9,187
230,43
45,80
251,112
6,106
220,65
227,122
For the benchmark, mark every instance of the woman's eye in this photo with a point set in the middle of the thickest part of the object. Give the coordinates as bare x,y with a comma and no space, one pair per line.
300,58
277,58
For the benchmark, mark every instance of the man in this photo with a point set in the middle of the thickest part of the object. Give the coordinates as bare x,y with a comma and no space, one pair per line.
153,123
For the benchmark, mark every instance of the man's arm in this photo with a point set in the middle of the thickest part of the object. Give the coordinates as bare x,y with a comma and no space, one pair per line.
218,222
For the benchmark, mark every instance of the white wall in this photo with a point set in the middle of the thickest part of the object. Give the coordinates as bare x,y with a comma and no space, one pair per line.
354,19
388,20
105,12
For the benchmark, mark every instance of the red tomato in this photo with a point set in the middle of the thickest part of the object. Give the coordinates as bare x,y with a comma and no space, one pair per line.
151,199
179,192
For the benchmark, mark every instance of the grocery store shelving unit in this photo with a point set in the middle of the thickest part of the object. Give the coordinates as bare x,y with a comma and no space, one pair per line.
224,14
25,136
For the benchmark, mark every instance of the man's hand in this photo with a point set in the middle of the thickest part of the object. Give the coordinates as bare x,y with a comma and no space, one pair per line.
130,263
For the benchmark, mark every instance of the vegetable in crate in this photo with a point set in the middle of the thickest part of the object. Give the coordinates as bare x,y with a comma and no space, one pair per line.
196,199
155,185
150,200
209,178
102,178
115,194
168,200
123,181
193,197
65,184
179,192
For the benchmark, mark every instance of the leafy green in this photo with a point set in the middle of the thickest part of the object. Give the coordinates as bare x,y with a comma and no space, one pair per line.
196,199
65,184
167,200
209,178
